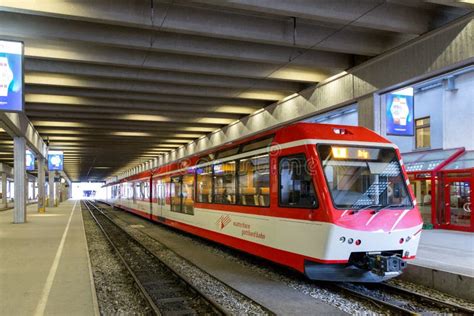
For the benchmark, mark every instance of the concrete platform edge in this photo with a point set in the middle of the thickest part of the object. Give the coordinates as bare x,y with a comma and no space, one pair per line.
457,285
91,276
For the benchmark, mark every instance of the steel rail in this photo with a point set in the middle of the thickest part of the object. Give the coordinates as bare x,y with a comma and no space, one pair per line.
186,260
400,306
451,305
137,282
205,298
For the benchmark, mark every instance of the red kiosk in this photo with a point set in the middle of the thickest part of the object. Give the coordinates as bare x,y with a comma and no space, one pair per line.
456,181
423,168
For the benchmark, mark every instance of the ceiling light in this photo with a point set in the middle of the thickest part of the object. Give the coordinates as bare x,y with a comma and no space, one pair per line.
133,134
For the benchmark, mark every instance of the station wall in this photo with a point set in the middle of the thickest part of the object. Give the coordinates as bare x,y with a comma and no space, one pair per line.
451,113
458,111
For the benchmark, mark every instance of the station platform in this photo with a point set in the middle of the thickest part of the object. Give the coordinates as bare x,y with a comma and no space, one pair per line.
445,262
44,263
11,205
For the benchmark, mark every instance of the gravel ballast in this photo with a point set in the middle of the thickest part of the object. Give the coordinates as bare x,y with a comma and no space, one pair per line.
115,288
232,301
317,290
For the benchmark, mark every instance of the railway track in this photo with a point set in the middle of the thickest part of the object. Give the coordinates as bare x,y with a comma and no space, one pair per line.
401,301
166,291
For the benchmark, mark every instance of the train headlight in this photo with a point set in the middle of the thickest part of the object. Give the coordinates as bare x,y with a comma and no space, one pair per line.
401,240
350,241
358,242
342,239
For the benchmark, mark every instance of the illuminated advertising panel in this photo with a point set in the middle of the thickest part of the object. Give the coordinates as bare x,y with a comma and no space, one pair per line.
400,112
55,160
30,160
11,76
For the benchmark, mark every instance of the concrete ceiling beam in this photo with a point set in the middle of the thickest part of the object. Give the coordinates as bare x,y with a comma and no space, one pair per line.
49,79
185,19
68,108
56,100
98,54
370,14
142,96
131,117
36,27
100,71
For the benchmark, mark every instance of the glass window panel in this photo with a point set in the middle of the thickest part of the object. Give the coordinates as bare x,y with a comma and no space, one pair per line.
423,137
355,183
224,183
257,144
176,194
228,152
188,194
160,192
204,184
460,203
254,181
296,185
465,161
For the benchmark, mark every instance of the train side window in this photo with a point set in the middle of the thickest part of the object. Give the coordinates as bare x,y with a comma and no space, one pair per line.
160,192
176,194
254,181
227,152
224,183
257,144
296,185
188,194
204,184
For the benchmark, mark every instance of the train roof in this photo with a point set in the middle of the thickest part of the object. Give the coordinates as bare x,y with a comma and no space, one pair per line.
288,133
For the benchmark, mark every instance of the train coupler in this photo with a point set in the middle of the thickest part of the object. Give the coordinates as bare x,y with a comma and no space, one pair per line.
385,265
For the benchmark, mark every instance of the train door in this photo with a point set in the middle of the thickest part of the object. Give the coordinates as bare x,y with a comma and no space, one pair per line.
176,189
182,194
457,203
160,196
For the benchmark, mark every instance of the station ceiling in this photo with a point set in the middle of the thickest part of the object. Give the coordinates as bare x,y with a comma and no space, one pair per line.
116,83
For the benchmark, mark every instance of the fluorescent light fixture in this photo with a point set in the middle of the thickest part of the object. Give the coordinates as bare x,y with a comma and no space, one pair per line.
131,134
144,117
406,91
291,96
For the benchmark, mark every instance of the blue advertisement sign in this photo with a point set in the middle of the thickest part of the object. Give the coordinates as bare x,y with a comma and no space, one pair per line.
11,76
55,160
400,114
30,161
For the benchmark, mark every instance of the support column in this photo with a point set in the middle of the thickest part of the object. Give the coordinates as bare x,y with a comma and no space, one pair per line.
41,186
51,188
27,188
369,112
19,149
4,189
57,187
33,190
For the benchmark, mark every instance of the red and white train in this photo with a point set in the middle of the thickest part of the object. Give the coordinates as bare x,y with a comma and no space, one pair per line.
330,201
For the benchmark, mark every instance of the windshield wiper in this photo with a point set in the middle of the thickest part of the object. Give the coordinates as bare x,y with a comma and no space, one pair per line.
391,206
366,207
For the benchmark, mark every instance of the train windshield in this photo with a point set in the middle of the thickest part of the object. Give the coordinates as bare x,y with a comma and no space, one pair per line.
364,177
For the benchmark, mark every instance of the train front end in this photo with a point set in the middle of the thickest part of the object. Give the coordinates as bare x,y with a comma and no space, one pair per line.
376,224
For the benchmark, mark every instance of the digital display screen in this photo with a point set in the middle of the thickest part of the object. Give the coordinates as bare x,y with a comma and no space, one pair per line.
400,113
30,160
355,153
55,160
11,76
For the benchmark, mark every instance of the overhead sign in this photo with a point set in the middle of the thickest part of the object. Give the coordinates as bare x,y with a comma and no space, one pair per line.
11,76
400,113
30,160
55,160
